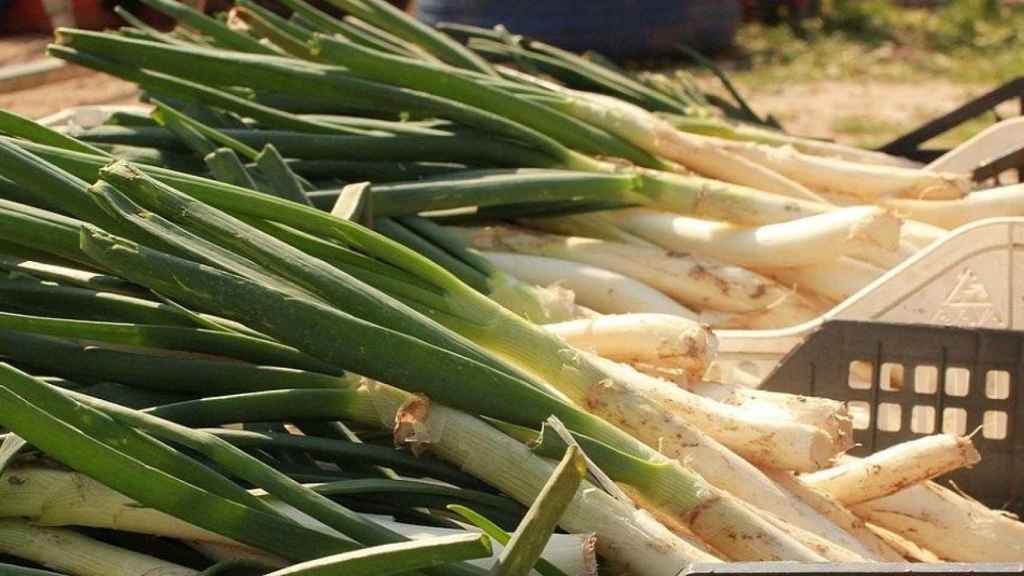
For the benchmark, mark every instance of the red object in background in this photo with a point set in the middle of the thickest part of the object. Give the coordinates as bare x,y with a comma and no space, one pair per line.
26,16
44,15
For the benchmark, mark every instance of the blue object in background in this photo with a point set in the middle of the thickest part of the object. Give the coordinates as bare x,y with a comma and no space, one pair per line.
3,5
615,28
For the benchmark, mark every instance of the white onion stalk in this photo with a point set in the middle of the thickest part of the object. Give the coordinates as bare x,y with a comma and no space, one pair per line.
993,203
746,132
697,282
835,281
589,225
827,506
723,468
921,234
888,259
915,233
828,549
220,552
63,498
655,135
551,303
78,555
602,290
571,553
944,522
800,242
829,415
60,498
713,515
67,498
651,409
869,182
894,468
644,339
627,536
907,550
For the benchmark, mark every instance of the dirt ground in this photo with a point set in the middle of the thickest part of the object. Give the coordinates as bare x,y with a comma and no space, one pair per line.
76,87
850,111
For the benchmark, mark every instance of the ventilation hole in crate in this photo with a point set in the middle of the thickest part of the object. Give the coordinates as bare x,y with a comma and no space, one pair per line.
958,381
997,384
860,412
890,377
922,420
993,425
889,416
926,379
861,373
954,421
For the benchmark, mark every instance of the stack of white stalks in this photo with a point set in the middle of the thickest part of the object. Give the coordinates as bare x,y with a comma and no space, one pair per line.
884,507
842,218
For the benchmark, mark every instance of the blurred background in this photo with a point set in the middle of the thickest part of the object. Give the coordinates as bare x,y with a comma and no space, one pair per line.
856,71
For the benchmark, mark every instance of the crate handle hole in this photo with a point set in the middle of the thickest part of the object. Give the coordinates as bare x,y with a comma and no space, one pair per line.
922,420
958,381
889,417
861,374
954,421
997,384
994,425
890,377
860,412
926,379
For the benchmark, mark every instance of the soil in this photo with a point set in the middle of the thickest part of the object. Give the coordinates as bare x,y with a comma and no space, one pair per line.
89,88
836,109
83,87
21,49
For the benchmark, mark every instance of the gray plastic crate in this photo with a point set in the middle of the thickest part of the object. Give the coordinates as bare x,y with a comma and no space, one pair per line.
903,381
852,569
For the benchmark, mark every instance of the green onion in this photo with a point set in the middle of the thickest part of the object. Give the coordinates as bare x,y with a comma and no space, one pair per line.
225,166
187,91
286,76
77,553
164,114
266,24
281,179
199,340
72,439
528,541
373,37
314,275
494,393
20,127
542,566
396,558
211,28
423,76
435,146
383,15
350,451
240,464
153,369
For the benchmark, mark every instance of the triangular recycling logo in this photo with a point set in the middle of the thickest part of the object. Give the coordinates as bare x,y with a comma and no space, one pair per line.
968,304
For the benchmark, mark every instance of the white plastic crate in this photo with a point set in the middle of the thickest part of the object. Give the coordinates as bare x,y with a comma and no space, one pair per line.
973,278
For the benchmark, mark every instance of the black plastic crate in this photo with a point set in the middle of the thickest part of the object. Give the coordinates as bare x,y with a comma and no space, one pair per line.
910,380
